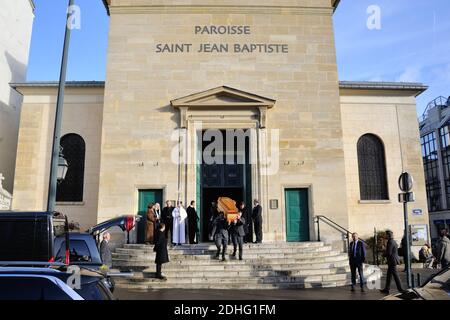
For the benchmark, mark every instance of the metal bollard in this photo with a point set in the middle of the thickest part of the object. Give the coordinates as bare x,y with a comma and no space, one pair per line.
418,280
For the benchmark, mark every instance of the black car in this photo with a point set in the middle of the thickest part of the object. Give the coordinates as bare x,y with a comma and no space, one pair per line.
39,283
45,237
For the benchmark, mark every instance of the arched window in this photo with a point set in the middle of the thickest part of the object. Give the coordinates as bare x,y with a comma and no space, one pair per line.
372,168
74,150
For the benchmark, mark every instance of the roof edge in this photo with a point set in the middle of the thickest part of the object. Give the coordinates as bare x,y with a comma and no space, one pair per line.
399,86
46,84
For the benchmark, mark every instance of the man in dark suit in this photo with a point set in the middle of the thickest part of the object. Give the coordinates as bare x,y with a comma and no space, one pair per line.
192,223
221,234
246,214
160,248
357,256
237,234
105,252
257,221
167,219
393,260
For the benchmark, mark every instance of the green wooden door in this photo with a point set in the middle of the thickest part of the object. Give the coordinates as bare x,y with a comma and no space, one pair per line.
297,215
146,197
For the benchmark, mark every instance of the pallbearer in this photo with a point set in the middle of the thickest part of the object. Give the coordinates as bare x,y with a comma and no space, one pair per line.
179,215
221,234
237,234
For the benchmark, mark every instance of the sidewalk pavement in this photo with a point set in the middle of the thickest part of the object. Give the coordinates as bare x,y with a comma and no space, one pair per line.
340,293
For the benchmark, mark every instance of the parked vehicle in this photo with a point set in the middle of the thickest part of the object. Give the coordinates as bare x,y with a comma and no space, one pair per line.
45,237
437,287
39,283
26,236
30,283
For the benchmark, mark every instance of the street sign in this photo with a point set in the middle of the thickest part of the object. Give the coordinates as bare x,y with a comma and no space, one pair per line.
406,197
405,182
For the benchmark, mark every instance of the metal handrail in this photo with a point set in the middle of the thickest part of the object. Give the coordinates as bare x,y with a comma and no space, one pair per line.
343,230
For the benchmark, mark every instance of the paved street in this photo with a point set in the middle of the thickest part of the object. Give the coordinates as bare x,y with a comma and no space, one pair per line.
342,293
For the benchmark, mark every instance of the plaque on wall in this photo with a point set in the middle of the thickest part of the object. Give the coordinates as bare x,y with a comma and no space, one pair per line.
273,204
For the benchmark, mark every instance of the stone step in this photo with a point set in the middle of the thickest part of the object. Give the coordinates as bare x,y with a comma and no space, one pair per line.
220,267
208,256
200,251
212,262
235,286
211,246
150,273
268,279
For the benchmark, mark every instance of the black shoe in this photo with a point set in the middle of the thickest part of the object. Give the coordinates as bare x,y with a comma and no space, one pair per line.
224,259
234,254
352,289
240,258
385,291
362,290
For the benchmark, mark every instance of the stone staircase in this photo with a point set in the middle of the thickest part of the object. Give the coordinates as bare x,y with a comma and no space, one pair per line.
265,266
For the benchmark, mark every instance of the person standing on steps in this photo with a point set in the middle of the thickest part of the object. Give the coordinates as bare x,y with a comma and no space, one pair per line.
237,234
192,223
179,215
246,215
150,224
257,221
357,257
167,219
157,209
221,235
162,255
393,260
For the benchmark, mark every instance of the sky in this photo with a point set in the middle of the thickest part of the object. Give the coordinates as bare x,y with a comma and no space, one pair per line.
410,42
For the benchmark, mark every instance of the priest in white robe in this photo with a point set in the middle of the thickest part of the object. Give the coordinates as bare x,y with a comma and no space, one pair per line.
179,215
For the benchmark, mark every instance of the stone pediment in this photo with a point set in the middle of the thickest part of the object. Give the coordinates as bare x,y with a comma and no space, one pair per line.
223,96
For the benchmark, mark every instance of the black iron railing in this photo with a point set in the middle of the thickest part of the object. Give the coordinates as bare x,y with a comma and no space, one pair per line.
347,233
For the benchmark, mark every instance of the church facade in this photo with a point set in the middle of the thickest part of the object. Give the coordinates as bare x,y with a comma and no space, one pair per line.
185,77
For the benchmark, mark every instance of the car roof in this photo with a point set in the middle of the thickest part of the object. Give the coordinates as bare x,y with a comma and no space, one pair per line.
25,213
87,275
13,269
76,235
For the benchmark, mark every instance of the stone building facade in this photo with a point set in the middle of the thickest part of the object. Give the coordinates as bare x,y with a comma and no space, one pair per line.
177,69
16,23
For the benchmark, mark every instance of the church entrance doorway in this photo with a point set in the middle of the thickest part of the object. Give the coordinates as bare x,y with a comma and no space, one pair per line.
225,171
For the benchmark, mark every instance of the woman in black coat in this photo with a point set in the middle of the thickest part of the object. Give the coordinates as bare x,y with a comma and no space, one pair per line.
162,255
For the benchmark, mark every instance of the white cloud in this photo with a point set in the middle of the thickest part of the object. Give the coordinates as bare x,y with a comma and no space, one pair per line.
411,74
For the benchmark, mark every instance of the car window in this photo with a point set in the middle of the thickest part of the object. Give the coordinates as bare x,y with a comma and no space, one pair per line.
25,239
79,251
30,288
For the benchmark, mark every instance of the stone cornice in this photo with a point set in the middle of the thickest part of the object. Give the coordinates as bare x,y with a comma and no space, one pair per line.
180,9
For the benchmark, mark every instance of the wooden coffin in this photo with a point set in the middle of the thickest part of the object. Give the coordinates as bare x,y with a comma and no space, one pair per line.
228,207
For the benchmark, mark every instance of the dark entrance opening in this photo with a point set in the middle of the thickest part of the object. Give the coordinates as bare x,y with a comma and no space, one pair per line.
212,194
229,175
